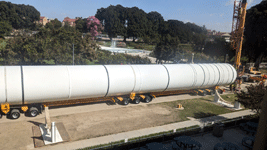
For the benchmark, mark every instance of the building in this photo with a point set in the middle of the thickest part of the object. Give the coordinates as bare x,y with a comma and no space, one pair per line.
43,20
212,34
69,20
226,36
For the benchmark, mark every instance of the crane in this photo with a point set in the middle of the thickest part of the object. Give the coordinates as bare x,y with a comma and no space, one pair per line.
237,33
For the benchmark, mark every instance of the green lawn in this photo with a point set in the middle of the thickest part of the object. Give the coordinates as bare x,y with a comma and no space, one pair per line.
196,108
229,98
264,71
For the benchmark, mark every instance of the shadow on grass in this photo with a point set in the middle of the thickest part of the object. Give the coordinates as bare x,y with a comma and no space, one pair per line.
207,117
209,99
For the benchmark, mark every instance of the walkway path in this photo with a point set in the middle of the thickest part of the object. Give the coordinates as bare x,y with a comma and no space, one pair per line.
142,132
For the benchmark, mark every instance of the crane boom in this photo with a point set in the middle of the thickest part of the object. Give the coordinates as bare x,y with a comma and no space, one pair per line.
238,24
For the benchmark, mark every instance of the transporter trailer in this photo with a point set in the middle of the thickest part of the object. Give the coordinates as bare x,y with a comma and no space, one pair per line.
28,89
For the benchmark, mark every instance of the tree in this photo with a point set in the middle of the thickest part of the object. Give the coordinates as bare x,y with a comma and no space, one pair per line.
154,20
253,97
5,29
81,25
19,16
111,19
54,24
217,48
50,47
166,49
94,26
255,33
178,29
136,23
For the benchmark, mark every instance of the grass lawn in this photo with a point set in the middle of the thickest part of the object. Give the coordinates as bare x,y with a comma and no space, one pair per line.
229,98
263,71
188,47
196,108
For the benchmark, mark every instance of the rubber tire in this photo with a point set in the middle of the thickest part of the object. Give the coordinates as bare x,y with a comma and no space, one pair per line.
204,93
33,112
148,99
14,114
194,94
125,101
212,92
137,100
220,91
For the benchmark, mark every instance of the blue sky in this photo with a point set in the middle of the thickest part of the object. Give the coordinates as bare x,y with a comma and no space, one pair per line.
214,14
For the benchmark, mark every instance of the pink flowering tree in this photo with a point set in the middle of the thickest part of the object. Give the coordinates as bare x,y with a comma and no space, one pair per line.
94,26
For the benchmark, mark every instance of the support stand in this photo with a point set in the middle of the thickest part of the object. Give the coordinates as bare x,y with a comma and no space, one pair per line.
47,119
53,136
216,97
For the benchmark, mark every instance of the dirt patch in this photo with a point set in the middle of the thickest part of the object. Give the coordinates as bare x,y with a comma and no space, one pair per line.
99,123
18,134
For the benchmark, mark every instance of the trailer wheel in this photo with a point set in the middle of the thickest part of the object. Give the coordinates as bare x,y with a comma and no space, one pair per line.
14,114
33,112
204,93
212,92
137,100
148,99
125,101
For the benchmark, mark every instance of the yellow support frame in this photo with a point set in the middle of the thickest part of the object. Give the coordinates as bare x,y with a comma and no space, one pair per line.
120,98
5,108
24,108
142,96
132,96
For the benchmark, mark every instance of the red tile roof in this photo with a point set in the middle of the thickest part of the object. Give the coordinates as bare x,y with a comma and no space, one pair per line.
69,20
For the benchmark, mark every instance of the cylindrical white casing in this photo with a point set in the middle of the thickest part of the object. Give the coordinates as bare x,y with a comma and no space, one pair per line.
225,73
121,79
232,75
13,84
221,74
150,78
53,83
199,75
87,81
2,85
181,76
45,83
207,73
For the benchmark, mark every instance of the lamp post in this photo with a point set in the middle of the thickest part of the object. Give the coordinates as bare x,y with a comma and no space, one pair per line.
192,58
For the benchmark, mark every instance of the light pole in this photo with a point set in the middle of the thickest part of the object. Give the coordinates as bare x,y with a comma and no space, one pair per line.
192,58
73,54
